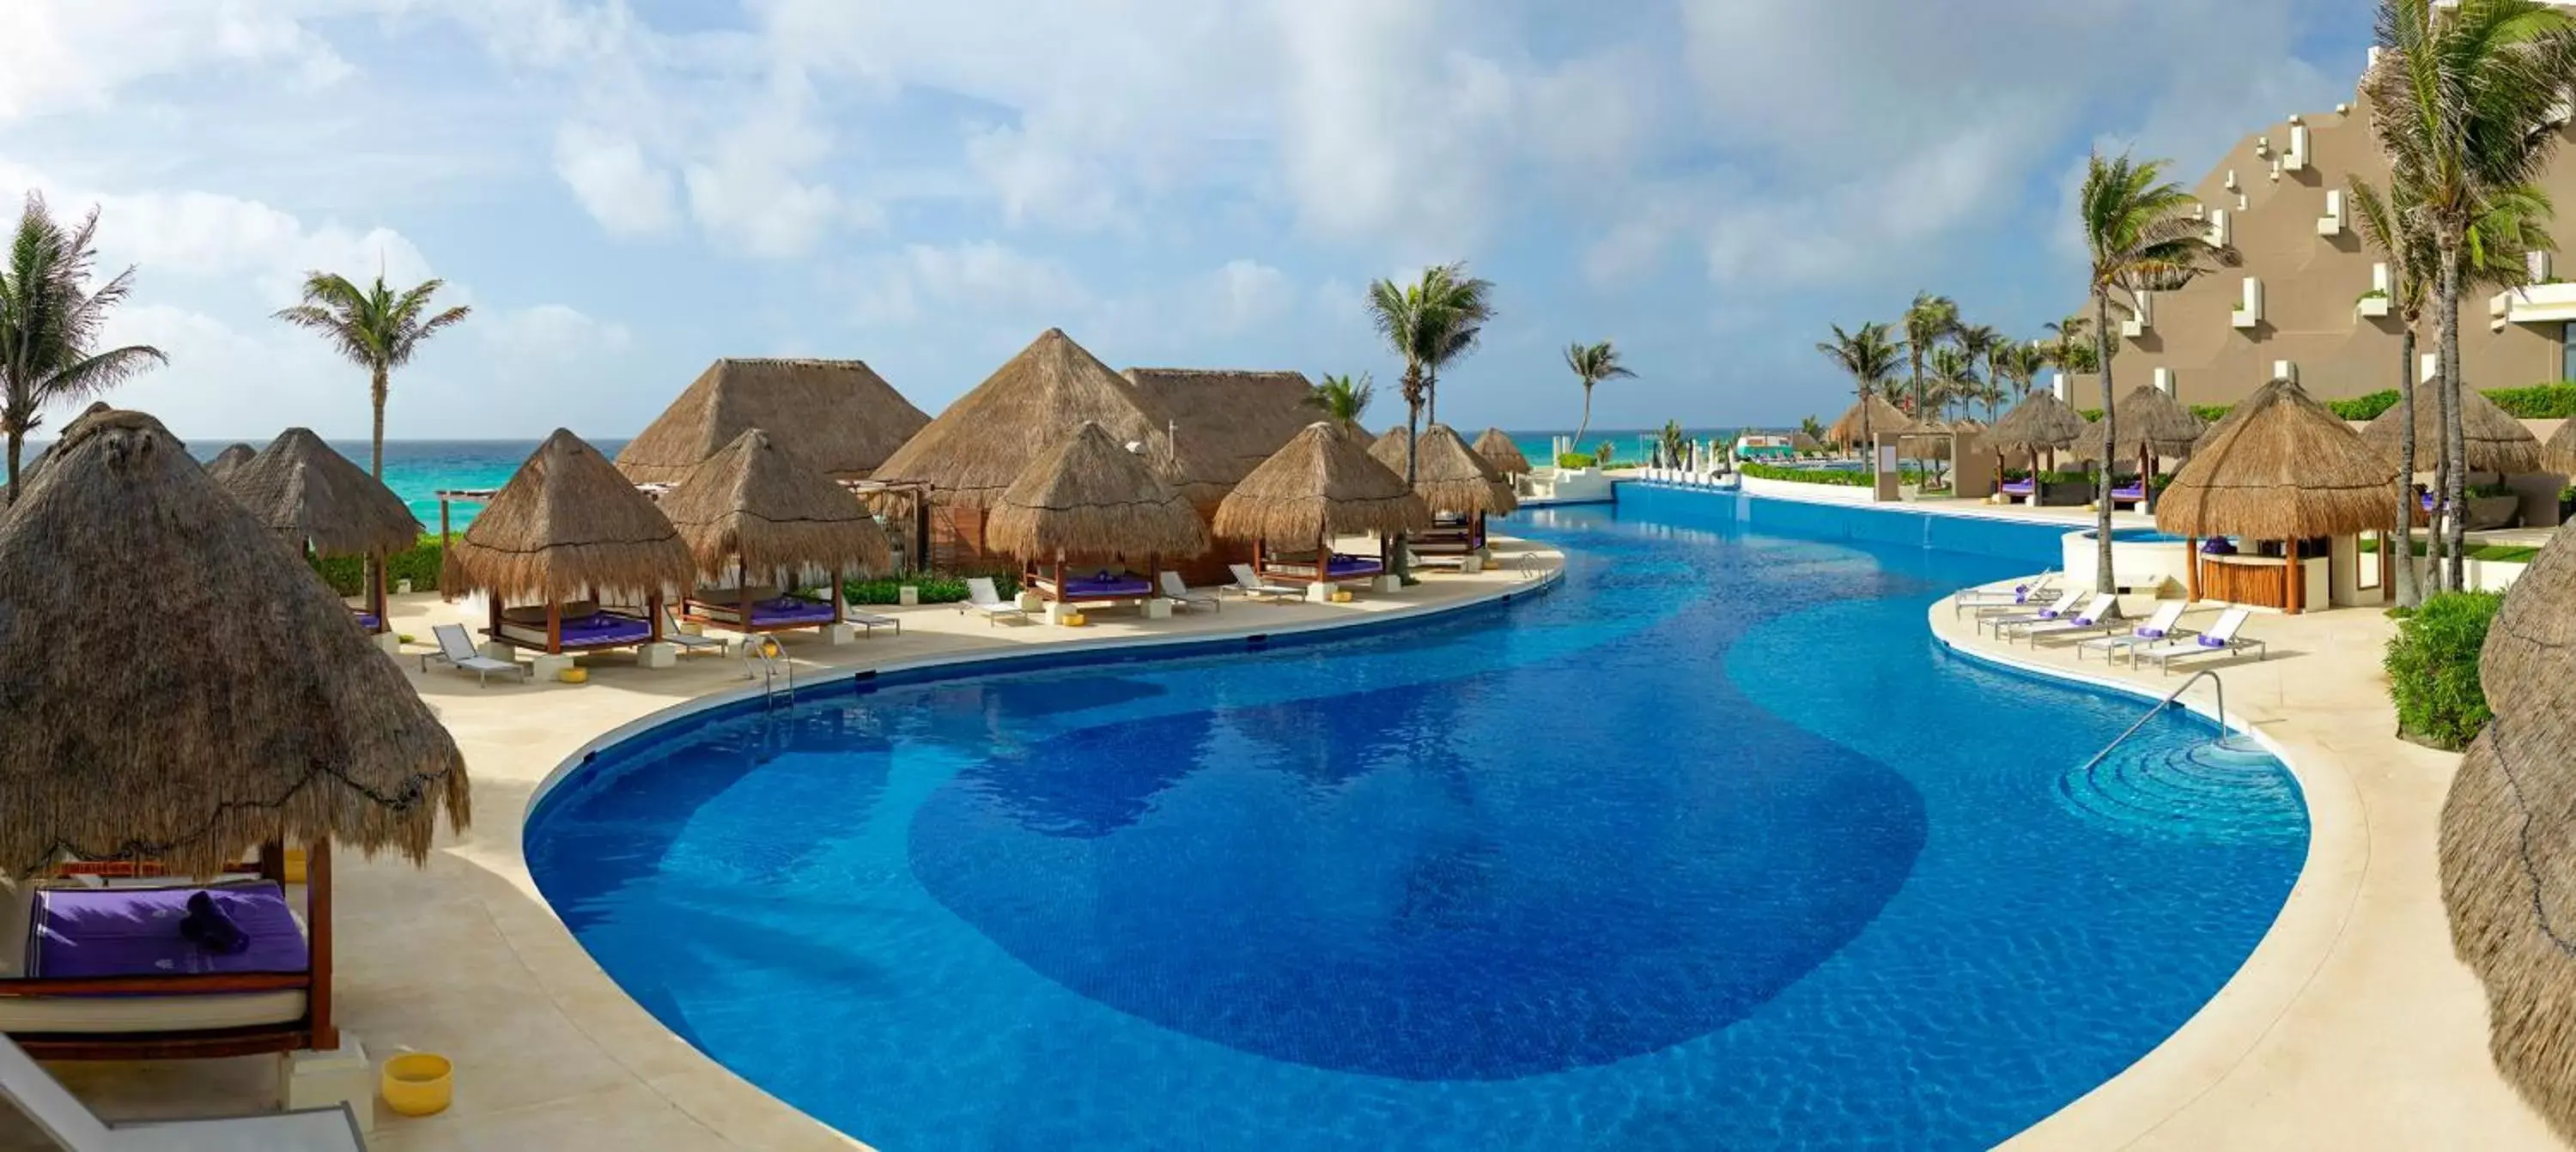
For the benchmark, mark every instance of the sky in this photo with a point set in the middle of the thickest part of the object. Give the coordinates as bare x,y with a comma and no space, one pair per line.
625,190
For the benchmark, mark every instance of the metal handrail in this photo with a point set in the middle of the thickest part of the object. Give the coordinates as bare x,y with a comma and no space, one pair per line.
2161,705
772,659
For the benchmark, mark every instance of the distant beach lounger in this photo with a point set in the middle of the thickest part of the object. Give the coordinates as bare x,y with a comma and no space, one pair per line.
2018,487
2066,602
982,597
684,641
1248,583
2221,638
1181,596
61,1116
2099,613
871,621
1990,599
456,647
2158,629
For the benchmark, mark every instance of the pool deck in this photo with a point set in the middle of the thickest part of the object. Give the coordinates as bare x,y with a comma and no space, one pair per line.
465,959
2351,1025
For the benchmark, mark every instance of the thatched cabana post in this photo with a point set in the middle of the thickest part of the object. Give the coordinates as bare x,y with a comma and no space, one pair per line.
1499,450
755,509
1090,496
2283,468
1323,484
321,503
567,527
280,724
2041,423
2152,424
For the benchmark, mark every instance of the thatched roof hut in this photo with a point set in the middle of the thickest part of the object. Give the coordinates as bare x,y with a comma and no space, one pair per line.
1323,483
974,450
838,416
1090,496
1451,477
273,720
2039,423
2149,421
1884,419
1801,442
2508,837
2558,453
1388,449
317,498
1499,450
2496,442
2284,468
1232,419
568,524
759,506
233,456
27,471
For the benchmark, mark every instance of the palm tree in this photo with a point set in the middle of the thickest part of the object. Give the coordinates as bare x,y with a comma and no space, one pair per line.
2068,350
1868,356
2391,227
1929,321
50,322
1982,342
2018,364
1427,323
1467,305
1954,378
1812,427
1342,397
376,328
2462,101
1592,364
2142,238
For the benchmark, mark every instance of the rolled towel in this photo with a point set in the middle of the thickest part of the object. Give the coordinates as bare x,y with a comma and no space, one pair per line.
2212,642
212,928
2152,633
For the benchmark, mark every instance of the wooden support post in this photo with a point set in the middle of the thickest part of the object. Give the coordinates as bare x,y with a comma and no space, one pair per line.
492,600
839,611
317,910
2191,569
554,627
2298,574
653,610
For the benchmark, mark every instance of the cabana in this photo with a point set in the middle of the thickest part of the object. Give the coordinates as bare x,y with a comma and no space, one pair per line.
1232,419
837,417
1460,489
2558,453
1323,485
2151,425
2283,471
1865,421
1090,499
2040,424
323,505
233,456
762,518
565,530
2508,837
1502,453
272,724
1389,448
2491,438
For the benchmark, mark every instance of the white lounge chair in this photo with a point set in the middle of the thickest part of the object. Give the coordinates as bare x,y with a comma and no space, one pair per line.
2158,629
2035,590
2098,614
2221,638
2066,602
872,621
982,597
457,648
1248,583
687,642
71,1124
1181,596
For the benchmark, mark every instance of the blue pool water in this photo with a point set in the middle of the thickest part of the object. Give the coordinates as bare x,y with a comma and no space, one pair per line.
1708,847
2137,536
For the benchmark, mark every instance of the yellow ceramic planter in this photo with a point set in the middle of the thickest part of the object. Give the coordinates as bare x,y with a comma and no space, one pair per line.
574,676
419,1083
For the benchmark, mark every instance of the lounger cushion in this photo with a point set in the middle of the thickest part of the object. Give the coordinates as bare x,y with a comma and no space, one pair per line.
98,932
536,613
127,1014
1108,584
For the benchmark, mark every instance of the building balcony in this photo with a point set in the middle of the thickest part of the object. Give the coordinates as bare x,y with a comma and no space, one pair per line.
2219,233
2331,224
2249,311
2295,159
2141,318
2537,304
2374,303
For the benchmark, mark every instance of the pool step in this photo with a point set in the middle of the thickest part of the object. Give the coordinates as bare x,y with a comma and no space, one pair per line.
2211,791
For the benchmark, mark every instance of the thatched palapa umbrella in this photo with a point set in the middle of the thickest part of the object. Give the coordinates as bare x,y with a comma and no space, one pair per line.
1322,485
2039,427
1452,478
837,416
1231,419
1866,420
2151,424
2558,453
756,513
233,456
1389,448
568,526
1499,450
271,721
1799,441
1090,497
318,501
2494,440
2283,468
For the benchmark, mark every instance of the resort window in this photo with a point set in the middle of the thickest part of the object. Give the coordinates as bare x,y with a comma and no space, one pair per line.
2567,351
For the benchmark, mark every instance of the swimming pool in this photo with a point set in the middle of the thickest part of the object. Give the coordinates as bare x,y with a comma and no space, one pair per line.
1710,847
2137,536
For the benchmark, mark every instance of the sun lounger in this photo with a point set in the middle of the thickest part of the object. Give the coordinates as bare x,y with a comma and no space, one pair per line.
687,643
456,647
982,597
2098,613
1181,596
2066,602
1990,599
2221,638
1248,584
61,1116
2158,629
872,621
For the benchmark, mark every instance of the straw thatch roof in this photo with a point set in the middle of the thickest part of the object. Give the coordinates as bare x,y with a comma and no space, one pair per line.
565,527
975,449
838,416
2508,838
313,496
271,718
2284,468
1090,496
1800,441
1885,419
2558,453
2040,421
2149,421
2496,442
1388,449
1498,450
233,456
1232,419
758,505
1451,477
1323,482
27,471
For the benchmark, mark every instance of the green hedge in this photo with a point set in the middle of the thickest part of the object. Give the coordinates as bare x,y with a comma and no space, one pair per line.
936,587
1840,477
1573,459
2366,407
2432,667
2538,402
419,565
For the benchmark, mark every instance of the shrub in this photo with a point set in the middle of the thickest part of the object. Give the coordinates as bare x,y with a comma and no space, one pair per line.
2432,667
2365,407
1843,477
2538,402
936,587
2212,412
419,565
1573,459
2489,491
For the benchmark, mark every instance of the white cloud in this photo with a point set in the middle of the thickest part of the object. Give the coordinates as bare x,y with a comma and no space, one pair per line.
547,332
1041,181
1245,294
607,172
73,54
987,279
752,193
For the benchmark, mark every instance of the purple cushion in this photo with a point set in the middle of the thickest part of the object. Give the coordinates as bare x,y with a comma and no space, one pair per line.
605,629
1354,566
791,610
1104,584
99,932
2152,633
2084,620
2211,642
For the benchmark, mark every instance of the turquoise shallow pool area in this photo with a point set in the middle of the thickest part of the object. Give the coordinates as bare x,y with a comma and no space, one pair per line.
1708,847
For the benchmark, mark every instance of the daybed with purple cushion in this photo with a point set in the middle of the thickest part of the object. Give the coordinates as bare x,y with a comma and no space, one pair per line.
2019,487
367,620
584,631
774,614
1339,568
1098,586
1450,536
2128,494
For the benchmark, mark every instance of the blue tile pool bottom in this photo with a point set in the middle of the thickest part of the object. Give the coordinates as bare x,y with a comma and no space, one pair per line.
1709,848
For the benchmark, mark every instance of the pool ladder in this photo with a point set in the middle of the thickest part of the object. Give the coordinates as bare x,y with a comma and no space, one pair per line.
2210,674
763,658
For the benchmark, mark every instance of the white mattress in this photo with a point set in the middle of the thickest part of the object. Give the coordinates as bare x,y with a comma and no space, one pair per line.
124,1013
